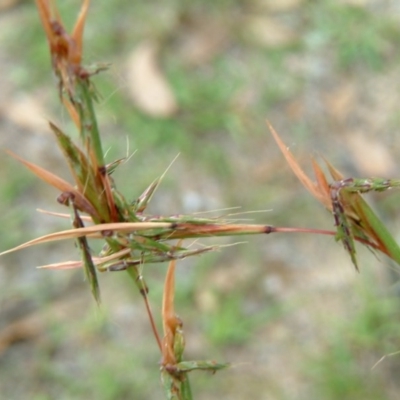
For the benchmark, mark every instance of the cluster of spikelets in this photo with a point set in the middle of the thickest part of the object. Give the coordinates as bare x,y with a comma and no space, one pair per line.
132,238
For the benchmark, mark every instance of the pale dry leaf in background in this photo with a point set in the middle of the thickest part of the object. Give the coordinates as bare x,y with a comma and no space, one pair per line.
341,101
6,4
370,155
269,32
26,112
279,6
202,40
27,119
147,84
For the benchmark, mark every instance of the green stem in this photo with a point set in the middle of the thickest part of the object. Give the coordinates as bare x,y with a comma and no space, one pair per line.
143,289
89,127
186,390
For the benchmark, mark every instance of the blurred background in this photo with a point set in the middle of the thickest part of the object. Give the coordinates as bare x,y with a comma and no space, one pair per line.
199,79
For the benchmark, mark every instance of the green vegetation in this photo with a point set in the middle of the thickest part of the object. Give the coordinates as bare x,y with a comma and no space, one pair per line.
226,159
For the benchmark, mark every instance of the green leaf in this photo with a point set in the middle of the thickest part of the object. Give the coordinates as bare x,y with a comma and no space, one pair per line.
85,177
213,366
375,226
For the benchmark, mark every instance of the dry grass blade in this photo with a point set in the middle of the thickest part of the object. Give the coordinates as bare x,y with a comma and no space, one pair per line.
78,264
58,183
77,33
92,232
63,215
314,188
170,320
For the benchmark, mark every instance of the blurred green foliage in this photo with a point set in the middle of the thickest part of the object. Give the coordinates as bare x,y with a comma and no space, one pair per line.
217,139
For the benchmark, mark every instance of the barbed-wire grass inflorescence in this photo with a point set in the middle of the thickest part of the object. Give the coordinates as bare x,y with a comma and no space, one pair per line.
132,238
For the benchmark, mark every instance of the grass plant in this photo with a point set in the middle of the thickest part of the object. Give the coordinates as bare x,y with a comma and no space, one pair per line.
132,239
